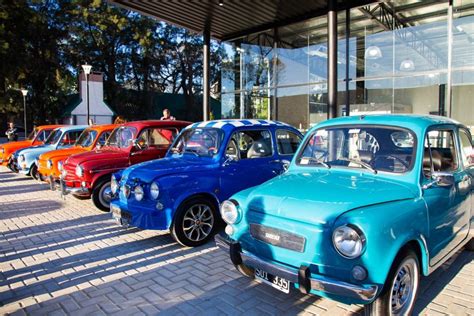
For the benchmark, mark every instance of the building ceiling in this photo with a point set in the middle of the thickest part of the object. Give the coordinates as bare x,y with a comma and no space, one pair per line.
229,19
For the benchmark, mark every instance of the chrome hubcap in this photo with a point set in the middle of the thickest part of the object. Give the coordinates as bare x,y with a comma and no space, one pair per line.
404,287
105,194
198,222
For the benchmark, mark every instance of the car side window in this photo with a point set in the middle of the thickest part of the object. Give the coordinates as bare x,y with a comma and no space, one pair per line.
69,138
250,144
103,138
287,142
467,150
157,137
440,154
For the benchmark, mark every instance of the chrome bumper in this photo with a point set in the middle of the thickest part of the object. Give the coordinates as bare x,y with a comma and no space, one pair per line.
302,276
65,190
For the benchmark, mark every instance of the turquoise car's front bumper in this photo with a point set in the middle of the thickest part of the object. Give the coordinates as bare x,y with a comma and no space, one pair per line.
302,277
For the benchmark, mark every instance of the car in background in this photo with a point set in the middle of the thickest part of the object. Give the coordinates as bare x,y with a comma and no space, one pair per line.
207,163
87,175
62,137
368,204
36,137
50,163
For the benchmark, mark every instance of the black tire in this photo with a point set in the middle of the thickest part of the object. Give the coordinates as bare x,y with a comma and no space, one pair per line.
201,229
34,172
99,192
383,304
470,245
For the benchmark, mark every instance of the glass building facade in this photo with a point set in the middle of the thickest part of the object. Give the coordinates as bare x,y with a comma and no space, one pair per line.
393,57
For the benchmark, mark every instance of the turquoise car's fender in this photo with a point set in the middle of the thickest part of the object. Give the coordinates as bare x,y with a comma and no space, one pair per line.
388,227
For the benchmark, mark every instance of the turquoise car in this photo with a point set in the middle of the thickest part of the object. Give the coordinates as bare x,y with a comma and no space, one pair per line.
368,204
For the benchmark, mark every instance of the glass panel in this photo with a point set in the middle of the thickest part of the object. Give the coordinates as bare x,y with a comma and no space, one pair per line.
467,151
443,150
287,142
463,63
251,144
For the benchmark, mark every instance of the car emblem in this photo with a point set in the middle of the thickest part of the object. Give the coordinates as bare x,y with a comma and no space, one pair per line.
272,236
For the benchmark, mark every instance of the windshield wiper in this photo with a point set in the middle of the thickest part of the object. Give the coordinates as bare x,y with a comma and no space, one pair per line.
318,161
360,163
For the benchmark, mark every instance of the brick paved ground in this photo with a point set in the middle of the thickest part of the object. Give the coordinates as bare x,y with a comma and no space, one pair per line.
66,257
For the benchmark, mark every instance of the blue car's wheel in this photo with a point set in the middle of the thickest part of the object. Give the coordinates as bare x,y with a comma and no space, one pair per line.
399,294
195,222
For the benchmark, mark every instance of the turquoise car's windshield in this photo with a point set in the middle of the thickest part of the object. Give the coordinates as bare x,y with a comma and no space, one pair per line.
121,137
87,138
53,138
374,148
202,142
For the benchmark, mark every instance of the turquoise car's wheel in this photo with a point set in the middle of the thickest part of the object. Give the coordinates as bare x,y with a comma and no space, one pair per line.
102,194
195,222
399,294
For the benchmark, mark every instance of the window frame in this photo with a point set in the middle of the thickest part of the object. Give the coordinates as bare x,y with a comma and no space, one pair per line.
251,130
469,137
158,147
288,131
456,146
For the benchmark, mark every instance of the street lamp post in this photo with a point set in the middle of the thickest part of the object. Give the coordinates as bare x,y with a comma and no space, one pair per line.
241,52
24,92
87,70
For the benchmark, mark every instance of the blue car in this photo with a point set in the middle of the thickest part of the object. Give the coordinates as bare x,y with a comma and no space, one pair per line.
61,137
367,206
206,164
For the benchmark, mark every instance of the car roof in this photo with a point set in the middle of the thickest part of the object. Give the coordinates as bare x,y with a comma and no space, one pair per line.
147,123
72,127
103,127
51,126
411,121
236,123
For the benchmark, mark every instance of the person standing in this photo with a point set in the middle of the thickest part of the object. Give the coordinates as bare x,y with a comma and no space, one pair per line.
167,116
11,133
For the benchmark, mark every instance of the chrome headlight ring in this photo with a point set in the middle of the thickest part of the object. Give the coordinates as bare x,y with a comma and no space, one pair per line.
60,166
154,191
349,241
139,193
49,164
114,185
230,212
79,171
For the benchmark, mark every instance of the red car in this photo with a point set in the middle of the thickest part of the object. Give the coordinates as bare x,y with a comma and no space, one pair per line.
88,174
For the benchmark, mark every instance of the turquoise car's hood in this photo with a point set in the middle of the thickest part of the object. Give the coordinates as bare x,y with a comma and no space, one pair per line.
320,197
149,170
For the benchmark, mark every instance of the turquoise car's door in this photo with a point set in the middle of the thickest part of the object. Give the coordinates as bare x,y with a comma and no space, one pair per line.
448,206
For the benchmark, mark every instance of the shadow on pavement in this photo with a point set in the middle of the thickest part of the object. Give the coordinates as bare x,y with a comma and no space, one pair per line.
27,208
23,188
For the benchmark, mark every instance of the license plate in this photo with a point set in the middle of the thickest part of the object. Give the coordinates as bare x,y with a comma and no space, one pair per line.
275,281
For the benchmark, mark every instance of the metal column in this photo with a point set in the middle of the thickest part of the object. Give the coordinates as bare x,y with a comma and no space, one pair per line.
206,87
332,59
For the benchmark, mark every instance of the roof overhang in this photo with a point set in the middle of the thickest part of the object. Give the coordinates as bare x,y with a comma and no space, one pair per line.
230,19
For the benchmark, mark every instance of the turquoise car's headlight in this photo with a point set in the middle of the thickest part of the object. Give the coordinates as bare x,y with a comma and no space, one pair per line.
114,186
139,193
230,212
154,190
349,241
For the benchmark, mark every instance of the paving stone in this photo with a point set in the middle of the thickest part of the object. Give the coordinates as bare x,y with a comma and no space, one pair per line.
62,257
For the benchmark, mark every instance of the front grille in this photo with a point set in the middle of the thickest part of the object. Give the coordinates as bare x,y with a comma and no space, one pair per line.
277,237
42,164
70,172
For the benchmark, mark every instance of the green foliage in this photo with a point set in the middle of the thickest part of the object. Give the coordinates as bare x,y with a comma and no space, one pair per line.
43,43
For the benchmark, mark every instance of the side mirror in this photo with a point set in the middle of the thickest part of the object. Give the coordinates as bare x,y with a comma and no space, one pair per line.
440,179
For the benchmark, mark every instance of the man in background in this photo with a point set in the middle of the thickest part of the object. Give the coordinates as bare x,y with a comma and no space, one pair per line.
167,116
11,133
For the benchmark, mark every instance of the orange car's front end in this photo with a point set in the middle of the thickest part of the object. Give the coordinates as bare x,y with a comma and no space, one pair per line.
37,137
50,163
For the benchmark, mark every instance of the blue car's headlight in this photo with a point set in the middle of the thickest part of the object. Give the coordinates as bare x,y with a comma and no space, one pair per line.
349,241
154,190
114,186
139,193
230,212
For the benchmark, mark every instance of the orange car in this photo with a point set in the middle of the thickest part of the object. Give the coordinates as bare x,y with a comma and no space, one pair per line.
50,163
37,137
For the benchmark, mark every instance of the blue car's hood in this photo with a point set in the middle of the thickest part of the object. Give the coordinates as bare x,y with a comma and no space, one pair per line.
149,170
35,150
320,197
